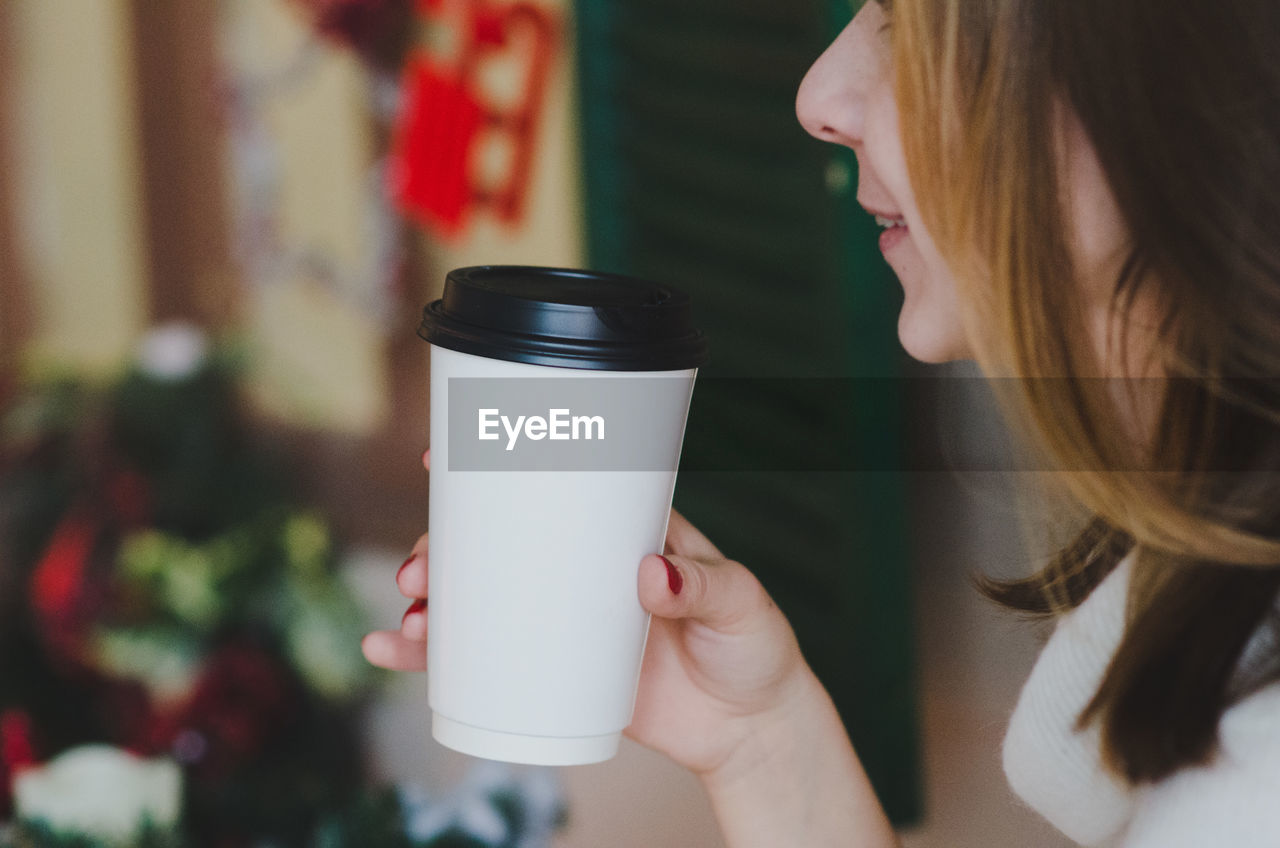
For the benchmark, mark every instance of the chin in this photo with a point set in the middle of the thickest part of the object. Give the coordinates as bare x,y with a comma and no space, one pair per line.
932,341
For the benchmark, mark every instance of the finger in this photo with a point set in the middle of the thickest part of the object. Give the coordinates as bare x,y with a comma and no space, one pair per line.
426,459
414,624
411,579
686,540
721,594
389,649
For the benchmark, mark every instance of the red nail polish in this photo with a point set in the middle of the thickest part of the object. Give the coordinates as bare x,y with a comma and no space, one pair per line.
405,565
417,606
674,580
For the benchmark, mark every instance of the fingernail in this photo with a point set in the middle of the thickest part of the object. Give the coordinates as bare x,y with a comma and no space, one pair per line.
415,607
424,455
405,565
674,580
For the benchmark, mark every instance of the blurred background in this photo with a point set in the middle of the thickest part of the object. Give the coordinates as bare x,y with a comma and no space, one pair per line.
219,223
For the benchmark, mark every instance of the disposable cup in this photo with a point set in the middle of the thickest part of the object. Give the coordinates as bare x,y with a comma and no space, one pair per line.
558,405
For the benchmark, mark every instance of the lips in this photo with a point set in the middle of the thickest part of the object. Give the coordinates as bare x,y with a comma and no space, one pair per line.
894,228
892,237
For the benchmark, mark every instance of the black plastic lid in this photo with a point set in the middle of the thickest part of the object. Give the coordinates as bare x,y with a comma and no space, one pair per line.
564,318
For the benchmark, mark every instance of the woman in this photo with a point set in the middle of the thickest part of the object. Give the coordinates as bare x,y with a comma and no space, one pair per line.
1070,191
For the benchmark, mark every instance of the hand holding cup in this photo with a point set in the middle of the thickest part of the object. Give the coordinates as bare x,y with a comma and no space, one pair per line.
720,658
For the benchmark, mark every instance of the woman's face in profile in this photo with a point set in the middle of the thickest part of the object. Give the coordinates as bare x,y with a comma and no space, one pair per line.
847,98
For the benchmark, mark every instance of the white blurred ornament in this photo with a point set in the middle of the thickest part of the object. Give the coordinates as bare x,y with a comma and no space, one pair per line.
471,809
100,792
172,352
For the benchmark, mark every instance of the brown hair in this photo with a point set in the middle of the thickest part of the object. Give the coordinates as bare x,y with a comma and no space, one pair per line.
1181,103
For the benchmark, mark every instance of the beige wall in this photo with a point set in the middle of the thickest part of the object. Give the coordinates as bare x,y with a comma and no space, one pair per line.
79,195
76,182
318,357
317,360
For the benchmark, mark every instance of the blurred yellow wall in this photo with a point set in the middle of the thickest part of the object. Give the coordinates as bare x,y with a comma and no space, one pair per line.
318,359
76,182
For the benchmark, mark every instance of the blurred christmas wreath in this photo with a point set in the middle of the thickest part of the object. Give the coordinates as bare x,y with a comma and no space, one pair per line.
179,657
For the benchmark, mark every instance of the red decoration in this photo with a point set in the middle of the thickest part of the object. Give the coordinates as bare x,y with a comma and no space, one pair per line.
240,702
58,583
443,118
17,751
16,748
435,136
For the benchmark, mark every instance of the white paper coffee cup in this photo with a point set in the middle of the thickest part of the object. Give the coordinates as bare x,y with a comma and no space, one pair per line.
558,406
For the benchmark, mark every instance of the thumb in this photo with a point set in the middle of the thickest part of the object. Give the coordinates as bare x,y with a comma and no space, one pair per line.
721,594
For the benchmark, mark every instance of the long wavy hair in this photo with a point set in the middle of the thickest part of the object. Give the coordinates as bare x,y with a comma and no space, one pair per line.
1181,103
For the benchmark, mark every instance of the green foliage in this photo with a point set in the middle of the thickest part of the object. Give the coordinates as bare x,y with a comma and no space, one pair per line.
38,834
375,820
206,621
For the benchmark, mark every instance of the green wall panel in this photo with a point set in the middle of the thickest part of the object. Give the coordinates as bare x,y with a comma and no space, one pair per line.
698,174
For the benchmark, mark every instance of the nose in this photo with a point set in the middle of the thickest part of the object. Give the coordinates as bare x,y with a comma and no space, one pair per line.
831,101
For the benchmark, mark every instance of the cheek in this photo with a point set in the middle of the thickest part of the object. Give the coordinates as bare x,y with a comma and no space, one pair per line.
930,326
884,143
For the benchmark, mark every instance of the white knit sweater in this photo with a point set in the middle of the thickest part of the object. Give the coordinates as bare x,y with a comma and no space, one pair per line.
1234,801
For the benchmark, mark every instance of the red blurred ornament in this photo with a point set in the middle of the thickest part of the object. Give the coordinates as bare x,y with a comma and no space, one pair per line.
56,581
443,118
241,700
57,588
17,751
431,155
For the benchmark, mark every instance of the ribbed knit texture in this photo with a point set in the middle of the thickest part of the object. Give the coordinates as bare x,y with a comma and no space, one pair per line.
1233,801
1055,769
